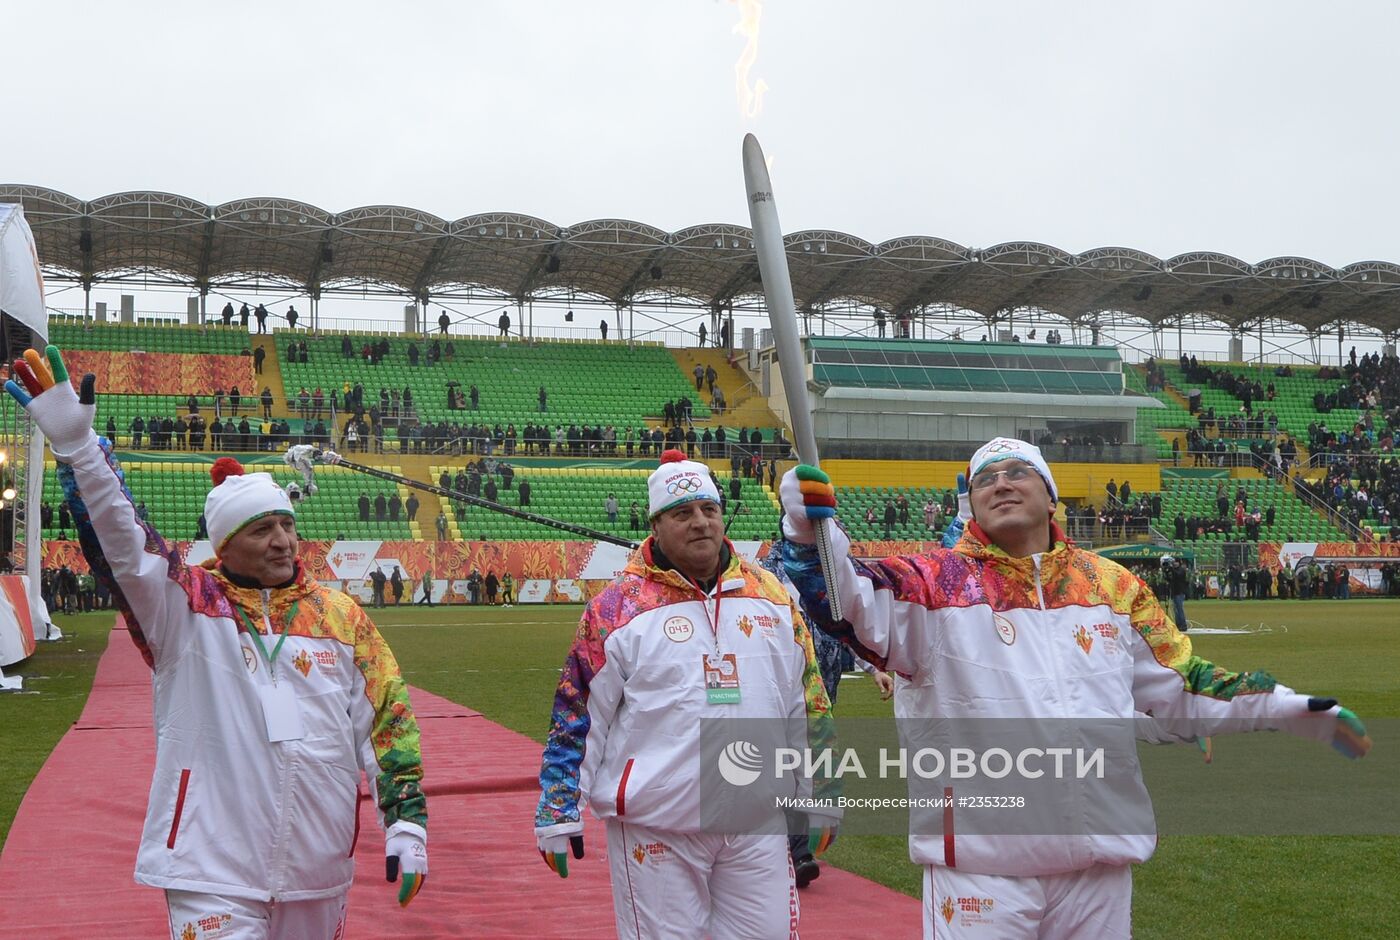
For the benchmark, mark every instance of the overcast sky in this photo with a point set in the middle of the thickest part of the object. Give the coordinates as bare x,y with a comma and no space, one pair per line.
1254,128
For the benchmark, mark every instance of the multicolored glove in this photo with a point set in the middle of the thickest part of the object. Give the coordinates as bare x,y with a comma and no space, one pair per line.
555,850
821,834
954,530
807,495
1349,739
65,417
406,851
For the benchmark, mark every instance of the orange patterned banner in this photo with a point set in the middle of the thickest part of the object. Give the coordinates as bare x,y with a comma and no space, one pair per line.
143,373
456,560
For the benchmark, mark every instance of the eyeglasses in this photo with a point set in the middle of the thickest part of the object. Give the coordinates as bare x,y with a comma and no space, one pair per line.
1014,474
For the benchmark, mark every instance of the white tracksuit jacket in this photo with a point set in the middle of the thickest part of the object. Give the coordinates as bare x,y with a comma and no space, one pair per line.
625,731
230,813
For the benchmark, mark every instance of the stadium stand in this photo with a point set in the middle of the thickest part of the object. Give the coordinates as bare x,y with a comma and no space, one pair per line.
863,511
1196,499
1151,421
602,383
579,495
173,494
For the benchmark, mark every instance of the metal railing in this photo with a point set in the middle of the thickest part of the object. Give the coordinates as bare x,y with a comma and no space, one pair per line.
1333,515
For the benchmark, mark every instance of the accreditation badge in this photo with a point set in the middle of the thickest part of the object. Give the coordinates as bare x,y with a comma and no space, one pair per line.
721,679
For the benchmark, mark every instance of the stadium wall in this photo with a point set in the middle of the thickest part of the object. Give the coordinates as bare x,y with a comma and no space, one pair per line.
1075,480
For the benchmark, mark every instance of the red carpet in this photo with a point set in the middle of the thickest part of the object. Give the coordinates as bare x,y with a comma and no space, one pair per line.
66,868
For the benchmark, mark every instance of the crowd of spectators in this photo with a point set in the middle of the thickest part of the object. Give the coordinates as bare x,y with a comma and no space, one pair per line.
1364,489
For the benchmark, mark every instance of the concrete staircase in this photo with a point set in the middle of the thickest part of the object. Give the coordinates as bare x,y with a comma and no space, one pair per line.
745,407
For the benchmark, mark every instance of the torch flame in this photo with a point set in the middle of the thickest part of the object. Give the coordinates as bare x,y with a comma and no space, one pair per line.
750,96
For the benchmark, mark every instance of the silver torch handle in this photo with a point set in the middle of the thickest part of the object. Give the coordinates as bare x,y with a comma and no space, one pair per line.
782,314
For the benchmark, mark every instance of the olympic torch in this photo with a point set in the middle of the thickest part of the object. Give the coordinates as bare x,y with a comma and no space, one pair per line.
782,314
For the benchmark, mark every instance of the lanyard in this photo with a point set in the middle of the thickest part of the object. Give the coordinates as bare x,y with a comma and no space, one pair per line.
257,637
705,603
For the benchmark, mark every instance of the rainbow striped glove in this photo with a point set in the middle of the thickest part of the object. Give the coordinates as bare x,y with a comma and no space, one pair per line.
555,850
954,530
806,494
64,416
406,851
1349,739
821,834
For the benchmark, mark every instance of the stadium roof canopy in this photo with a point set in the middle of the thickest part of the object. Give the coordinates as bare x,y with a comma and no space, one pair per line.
161,238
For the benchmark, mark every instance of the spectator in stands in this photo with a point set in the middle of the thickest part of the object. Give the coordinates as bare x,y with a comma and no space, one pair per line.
260,314
443,321
381,507
610,507
395,506
503,324
1111,488
544,400
523,491
701,332
441,524
138,427
603,328
411,507
902,504
890,515
292,318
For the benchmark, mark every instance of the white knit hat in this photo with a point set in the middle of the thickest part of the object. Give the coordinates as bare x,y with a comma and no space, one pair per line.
678,481
238,498
1008,448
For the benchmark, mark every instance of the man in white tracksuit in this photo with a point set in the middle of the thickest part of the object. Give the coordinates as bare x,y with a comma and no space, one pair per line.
1016,622
688,633
271,692
300,457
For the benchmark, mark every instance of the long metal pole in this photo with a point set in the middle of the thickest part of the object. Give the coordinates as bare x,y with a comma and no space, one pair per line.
334,459
782,314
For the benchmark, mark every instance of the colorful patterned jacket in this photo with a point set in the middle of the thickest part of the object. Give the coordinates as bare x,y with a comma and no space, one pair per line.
1064,635
626,733
230,813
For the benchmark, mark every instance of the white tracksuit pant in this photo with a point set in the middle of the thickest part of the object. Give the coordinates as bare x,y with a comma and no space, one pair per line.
690,885
1093,903
308,475
196,916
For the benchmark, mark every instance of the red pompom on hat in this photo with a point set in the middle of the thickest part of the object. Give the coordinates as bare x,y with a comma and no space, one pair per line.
224,468
672,456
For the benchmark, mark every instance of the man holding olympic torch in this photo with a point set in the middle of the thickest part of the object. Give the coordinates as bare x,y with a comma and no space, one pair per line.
994,628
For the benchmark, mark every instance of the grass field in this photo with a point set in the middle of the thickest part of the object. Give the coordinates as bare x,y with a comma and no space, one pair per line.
505,663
